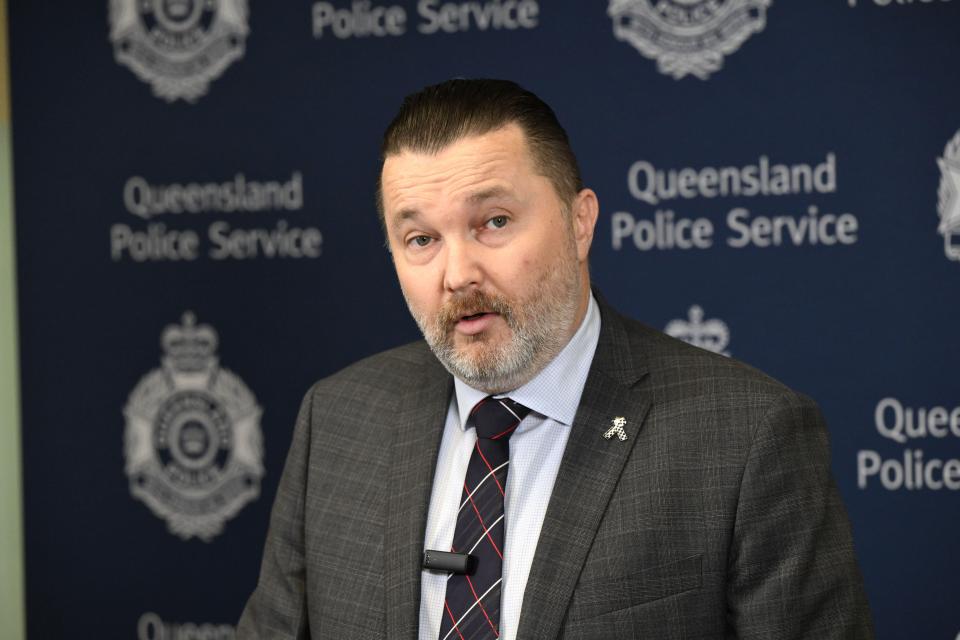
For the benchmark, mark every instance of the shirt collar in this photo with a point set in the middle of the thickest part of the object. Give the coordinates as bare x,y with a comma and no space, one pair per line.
555,391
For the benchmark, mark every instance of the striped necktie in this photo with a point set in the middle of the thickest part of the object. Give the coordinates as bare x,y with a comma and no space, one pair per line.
472,605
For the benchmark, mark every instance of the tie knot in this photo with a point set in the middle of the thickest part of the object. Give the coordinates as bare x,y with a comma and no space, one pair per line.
496,418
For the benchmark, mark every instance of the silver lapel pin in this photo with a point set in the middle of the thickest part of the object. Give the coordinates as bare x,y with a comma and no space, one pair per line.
617,429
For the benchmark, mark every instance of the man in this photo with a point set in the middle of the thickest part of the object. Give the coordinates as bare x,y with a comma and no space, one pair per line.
636,487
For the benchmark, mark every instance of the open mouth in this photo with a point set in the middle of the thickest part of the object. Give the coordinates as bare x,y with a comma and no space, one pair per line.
475,323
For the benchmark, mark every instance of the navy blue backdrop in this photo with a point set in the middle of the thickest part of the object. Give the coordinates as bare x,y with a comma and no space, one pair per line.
197,243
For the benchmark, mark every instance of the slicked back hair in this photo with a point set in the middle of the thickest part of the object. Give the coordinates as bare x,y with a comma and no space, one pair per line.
437,116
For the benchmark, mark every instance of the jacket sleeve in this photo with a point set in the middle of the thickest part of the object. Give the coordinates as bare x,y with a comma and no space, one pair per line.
277,609
792,569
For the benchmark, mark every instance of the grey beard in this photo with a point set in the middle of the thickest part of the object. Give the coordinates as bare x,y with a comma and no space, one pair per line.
540,327
506,368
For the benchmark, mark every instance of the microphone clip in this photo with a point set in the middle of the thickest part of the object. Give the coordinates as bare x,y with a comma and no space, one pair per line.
448,562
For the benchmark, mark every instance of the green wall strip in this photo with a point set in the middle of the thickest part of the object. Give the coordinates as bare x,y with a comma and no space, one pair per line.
11,524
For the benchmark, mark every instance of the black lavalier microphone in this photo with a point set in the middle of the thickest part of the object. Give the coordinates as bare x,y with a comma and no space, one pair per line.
447,562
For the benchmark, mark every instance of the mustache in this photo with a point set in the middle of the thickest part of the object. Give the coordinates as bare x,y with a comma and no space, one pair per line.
472,303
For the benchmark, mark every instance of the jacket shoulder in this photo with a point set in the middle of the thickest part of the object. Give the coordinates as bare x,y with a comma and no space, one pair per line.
394,369
360,402
679,369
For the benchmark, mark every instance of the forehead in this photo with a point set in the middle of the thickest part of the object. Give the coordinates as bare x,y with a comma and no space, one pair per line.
499,159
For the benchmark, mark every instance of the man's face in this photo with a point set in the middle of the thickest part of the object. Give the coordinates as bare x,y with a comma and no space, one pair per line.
492,264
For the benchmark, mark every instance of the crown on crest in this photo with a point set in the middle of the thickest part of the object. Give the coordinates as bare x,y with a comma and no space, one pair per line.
712,335
189,346
178,8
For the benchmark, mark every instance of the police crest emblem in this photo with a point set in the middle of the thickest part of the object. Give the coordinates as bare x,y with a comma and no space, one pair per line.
948,198
687,37
192,443
178,46
712,335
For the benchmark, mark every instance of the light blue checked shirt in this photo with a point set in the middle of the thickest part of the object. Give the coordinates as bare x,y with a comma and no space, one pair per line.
536,448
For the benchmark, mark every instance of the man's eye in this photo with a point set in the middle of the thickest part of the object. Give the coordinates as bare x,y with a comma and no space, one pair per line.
497,222
420,241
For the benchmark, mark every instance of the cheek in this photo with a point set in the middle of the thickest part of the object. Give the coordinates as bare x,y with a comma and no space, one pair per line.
541,258
522,274
419,288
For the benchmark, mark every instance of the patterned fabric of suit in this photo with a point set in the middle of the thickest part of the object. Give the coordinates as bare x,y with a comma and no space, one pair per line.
717,517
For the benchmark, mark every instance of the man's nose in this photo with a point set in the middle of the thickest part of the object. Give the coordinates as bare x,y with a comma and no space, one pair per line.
463,269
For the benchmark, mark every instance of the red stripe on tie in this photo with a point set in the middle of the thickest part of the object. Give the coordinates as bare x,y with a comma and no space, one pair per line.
477,598
503,433
485,529
478,405
453,620
488,467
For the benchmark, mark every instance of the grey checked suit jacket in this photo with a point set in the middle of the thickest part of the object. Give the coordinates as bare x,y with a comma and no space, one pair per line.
716,518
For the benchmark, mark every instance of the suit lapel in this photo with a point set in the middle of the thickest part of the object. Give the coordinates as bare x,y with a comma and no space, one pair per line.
588,474
418,427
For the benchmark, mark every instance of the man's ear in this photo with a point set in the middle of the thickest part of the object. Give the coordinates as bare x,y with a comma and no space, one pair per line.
583,215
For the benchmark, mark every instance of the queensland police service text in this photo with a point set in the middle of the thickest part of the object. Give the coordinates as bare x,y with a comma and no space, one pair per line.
365,19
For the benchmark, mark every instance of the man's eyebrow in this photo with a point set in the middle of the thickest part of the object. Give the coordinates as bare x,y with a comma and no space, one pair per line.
403,215
475,198
489,194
